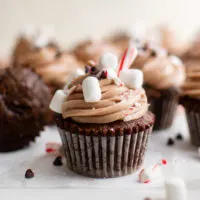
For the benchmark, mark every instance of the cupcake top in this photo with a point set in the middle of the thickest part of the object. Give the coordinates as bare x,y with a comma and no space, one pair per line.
93,49
100,96
191,87
146,52
164,72
31,40
23,94
44,57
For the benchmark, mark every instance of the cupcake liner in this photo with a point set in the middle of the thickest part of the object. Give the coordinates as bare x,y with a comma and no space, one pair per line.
192,111
104,156
164,106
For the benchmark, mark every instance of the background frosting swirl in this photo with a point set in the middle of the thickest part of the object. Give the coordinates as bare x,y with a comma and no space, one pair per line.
117,103
164,72
191,87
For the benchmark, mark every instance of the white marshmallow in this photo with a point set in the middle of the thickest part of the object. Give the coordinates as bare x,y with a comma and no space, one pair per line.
78,72
57,101
175,60
175,189
108,60
91,89
149,174
132,78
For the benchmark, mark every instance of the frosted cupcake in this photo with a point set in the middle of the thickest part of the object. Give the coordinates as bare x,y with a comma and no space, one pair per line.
42,54
190,100
104,122
92,50
163,78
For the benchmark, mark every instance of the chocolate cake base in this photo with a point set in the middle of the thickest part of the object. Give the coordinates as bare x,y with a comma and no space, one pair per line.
192,109
163,103
105,150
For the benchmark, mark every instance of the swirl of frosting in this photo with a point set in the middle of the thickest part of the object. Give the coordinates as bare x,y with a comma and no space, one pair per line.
93,49
147,51
117,103
52,66
191,87
164,72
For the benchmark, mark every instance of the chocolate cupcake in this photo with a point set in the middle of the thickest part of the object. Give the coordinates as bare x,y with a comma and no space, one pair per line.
23,105
103,123
92,50
163,77
190,100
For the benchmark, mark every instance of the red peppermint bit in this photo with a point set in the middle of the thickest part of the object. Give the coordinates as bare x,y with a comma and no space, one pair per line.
164,162
121,84
121,64
126,115
131,108
148,181
49,150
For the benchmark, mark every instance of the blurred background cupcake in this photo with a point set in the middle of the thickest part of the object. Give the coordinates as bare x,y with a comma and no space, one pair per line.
23,106
163,76
191,100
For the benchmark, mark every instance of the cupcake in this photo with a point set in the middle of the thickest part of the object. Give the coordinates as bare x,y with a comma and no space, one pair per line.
104,124
190,100
92,50
23,106
43,55
163,77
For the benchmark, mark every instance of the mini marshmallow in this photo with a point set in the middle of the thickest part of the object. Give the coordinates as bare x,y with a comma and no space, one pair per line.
57,101
175,60
175,189
108,60
91,89
150,173
132,78
78,72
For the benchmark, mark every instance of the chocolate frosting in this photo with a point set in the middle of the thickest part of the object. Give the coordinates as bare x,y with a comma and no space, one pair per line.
191,86
47,61
146,52
117,103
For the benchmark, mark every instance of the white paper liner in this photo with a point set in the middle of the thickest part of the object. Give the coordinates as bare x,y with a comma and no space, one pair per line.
104,156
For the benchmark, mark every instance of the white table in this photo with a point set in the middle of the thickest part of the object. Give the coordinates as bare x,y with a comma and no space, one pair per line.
52,182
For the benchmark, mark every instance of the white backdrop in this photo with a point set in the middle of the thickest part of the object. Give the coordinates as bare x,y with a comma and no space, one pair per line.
75,19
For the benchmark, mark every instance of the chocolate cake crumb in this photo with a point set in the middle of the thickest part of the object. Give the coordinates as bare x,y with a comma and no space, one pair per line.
58,161
179,136
170,142
147,198
29,173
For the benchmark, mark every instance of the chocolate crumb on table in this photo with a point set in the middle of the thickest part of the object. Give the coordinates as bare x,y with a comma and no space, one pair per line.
170,142
29,173
58,161
179,136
